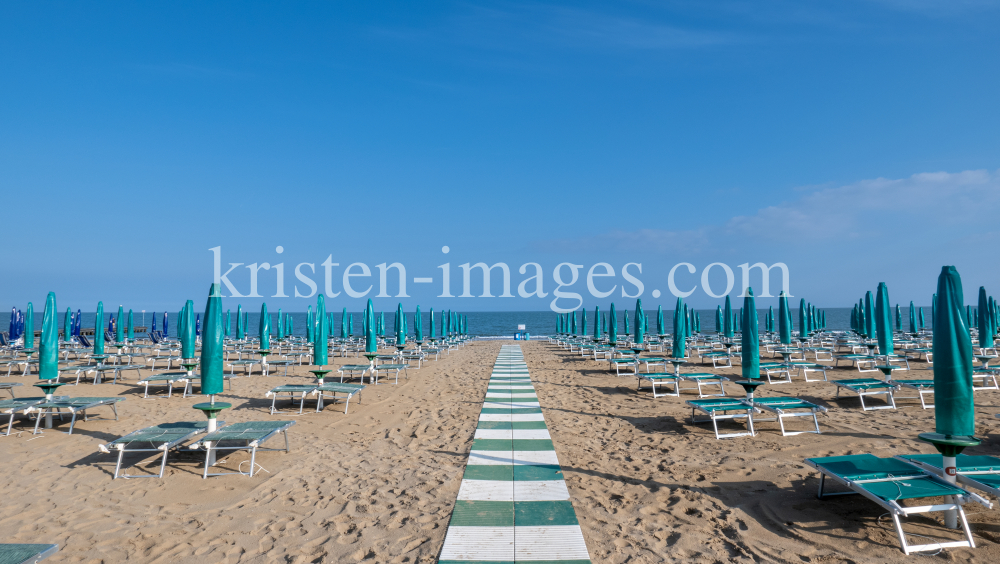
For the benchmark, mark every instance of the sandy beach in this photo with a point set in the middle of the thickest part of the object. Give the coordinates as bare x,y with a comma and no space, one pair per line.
379,483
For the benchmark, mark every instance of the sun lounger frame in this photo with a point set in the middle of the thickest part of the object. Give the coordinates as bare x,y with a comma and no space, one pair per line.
22,405
896,510
964,478
705,379
74,407
253,445
120,444
733,405
874,388
659,379
335,388
782,412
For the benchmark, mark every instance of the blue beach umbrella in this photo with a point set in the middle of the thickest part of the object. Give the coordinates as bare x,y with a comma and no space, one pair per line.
166,325
77,323
920,317
281,325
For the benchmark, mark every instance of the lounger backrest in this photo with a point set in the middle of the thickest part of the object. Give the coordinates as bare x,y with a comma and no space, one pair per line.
85,341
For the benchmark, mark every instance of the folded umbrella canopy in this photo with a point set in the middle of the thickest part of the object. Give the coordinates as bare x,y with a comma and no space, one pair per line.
583,322
281,325
985,326
784,320
720,325
597,323
119,326
99,329
400,326
166,326
913,319
226,332
604,323
803,328
430,323
572,323
640,322
67,325
309,324
728,328
920,317
319,337
77,323
869,315
131,327
188,330
211,343
899,319
679,341
659,320
883,320
343,324
240,328
197,324
48,349
29,327
418,325
625,322
264,328
613,326
749,338
371,341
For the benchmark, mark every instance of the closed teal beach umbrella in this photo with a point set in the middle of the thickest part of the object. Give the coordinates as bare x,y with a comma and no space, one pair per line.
659,320
281,325
728,328
320,351
572,323
68,325
913,318
899,319
418,325
639,333
679,342
854,318
803,329
371,341
920,317
211,343
400,326
862,323
445,317
120,325
240,327
953,400
131,326
430,323
264,329
613,326
770,319
625,323
720,325
749,338
784,320
226,332
29,327
604,323
350,325
597,323
883,319
98,329
48,348
869,315
186,328
985,326
310,325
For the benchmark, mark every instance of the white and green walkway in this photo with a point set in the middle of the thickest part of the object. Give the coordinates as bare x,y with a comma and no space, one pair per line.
513,505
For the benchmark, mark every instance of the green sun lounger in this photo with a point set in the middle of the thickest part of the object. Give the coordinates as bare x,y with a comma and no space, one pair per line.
869,387
705,379
769,368
923,387
73,406
783,407
293,390
162,437
887,482
168,378
26,553
722,409
805,368
9,386
334,388
349,370
977,472
241,436
659,379
12,406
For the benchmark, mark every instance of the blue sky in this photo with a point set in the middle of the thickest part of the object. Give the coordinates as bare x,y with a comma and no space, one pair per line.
854,141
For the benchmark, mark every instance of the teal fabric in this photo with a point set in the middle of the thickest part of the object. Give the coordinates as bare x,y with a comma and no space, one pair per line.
264,329
418,325
659,320
727,329
679,341
613,326
640,329
29,326
954,408
985,325
883,319
68,325
120,326
187,334
784,320
720,325
99,329
400,326
225,326
48,349
597,324
240,328
371,342
913,319
750,343
430,316
320,350
211,343
869,315
899,319
803,326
